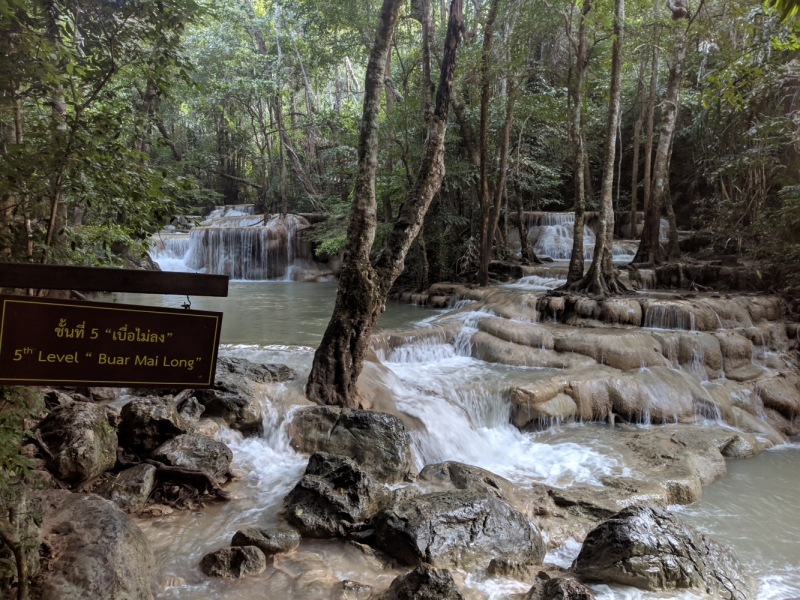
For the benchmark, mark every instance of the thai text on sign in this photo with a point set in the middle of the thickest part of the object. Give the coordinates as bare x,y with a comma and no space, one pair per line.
58,342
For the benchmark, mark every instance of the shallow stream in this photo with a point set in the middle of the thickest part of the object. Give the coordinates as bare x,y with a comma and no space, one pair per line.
461,415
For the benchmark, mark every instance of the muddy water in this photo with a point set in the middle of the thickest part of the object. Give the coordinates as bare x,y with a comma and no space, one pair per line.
462,415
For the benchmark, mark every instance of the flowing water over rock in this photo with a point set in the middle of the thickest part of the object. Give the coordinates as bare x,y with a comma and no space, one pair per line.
457,378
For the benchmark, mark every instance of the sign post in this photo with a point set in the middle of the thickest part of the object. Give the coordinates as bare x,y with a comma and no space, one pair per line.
47,341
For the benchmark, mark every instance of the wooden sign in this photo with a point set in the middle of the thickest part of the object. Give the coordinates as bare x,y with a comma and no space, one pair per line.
60,342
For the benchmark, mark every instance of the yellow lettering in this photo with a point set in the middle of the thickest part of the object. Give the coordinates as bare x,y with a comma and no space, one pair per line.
102,359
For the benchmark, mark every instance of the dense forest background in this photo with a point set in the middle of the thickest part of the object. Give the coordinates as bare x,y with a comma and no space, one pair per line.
116,116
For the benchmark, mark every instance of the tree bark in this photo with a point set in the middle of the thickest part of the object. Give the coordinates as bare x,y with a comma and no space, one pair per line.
650,248
363,286
651,107
637,132
600,278
576,263
487,233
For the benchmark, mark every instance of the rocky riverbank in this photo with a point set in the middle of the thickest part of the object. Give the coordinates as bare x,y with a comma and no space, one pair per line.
368,502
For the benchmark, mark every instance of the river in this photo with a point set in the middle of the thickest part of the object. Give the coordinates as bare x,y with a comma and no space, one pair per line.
457,399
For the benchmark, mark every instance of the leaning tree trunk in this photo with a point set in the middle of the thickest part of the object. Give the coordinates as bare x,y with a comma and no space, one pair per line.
649,248
487,234
651,108
600,279
576,264
363,286
637,131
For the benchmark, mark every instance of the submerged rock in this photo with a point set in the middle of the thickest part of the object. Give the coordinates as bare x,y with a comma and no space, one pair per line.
650,548
458,528
232,395
234,563
81,442
192,451
270,540
377,442
352,590
423,583
98,552
149,422
334,497
130,488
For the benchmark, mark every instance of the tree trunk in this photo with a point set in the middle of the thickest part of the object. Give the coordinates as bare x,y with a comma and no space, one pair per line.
649,247
651,107
363,287
487,233
637,131
279,122
600,278
427,84
576,263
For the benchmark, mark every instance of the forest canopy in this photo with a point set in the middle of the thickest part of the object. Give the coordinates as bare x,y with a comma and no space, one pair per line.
117,117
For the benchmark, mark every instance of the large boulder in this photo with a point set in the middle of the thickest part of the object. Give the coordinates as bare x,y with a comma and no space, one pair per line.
234,563
21,509
270,540
460,528
378,442
231,398
559,588
130,488
98,552
650,548
148,422
193,451
334,497
423,583
82,444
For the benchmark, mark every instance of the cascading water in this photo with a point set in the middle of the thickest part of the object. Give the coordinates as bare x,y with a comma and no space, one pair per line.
552,234
243,247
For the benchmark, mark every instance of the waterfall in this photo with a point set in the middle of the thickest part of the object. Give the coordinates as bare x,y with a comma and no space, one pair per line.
238,246
551,235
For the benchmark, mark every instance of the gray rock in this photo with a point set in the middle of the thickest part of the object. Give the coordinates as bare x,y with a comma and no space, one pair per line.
468,477
23,511
270,540
104,394
130,488
234,563
460,529
377,441
650,548
231,397
423,583
190,409
559,588
149,422
334,497
99,552
193,451
82,443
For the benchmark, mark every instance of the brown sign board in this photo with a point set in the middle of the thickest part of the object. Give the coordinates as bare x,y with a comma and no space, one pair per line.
60,342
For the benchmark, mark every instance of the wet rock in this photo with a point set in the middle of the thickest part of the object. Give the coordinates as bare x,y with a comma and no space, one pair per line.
190,409
781,393
491,349
737,353
98,552
621,311
334,497
131,487
618,349
467,477
651,549
270,540
655,395
750,424
232,396
527,334
149,422
21,509
193,451
559,588
458,528
82,443
503,567
377,442
234,563
104,394
423,583
678,314
352,590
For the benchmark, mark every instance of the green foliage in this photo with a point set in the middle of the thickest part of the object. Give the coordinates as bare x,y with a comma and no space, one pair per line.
16,405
